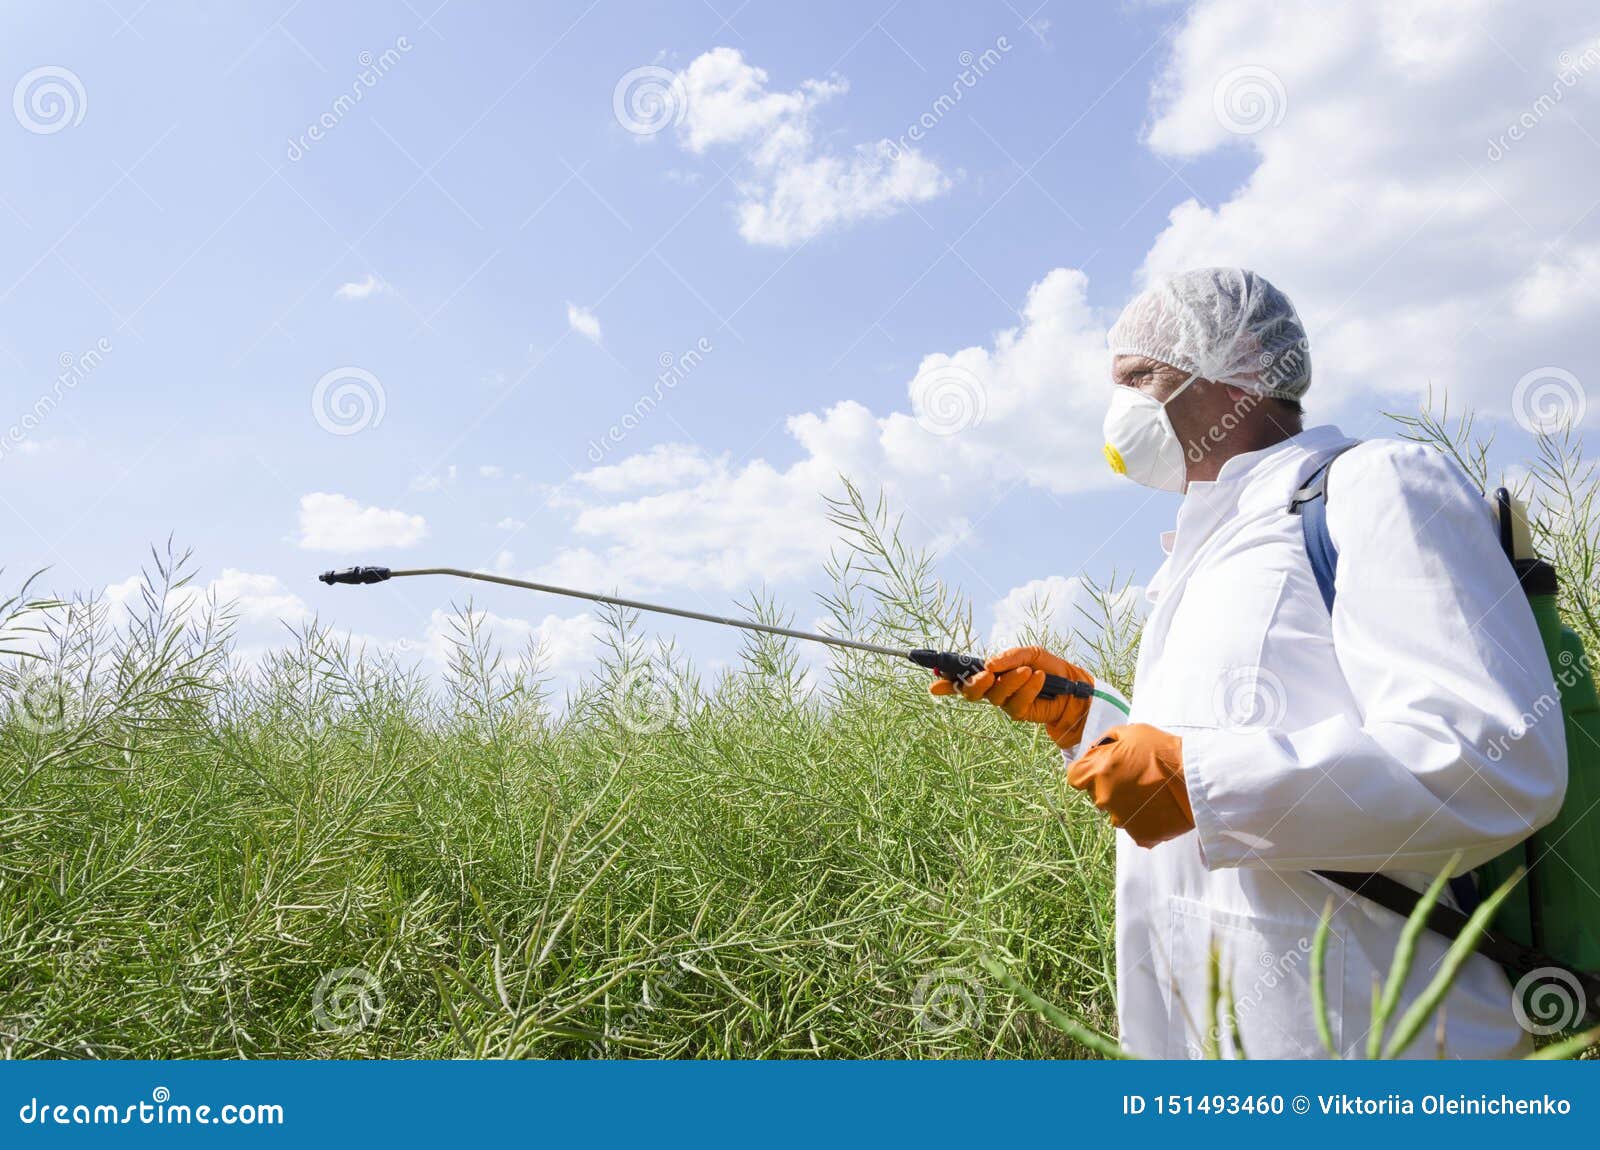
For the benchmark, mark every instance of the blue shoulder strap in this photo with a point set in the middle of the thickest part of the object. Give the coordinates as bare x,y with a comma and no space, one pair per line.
1311,504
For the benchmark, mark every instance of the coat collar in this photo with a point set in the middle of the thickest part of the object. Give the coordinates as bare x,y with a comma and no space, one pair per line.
1253,483
1312,443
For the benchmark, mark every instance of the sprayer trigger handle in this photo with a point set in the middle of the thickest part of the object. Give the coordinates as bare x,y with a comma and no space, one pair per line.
958,668
948,664
1056,686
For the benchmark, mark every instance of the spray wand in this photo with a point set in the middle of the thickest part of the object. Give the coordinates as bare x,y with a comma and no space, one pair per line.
945,664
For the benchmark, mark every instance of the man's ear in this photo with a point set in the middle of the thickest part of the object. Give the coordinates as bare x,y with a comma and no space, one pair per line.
1238,395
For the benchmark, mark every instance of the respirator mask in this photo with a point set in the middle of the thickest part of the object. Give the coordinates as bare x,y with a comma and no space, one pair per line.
1140,442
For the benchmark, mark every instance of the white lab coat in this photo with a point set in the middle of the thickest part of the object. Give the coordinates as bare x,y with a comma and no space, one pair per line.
1401,733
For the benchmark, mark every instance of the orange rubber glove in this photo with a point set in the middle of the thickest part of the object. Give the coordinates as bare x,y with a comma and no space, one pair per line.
1012,681
1135,775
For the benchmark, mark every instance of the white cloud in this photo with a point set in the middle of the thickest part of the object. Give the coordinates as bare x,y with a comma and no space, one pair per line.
1028,408
258,598
510,524
1420,242
362,289
570,644
584,322
733,528
1421,197
257,603
662,466
338,523
1063,605
1560,287
490,471
1054,602
798,187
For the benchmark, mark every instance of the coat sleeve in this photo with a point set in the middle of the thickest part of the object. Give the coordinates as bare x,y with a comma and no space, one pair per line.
1459,744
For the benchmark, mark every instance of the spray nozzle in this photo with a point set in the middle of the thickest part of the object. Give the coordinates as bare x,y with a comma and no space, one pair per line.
355,575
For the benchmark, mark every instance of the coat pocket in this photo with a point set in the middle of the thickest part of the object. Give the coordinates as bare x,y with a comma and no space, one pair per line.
1264,967
1211,673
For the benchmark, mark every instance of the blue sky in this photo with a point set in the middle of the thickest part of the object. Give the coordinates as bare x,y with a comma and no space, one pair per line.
494,249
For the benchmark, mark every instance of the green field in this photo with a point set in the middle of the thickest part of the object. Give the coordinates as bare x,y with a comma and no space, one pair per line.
329,855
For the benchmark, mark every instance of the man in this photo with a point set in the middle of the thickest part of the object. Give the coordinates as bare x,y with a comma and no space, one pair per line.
1269,738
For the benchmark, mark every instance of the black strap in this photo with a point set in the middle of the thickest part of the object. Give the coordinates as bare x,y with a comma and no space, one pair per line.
1443,920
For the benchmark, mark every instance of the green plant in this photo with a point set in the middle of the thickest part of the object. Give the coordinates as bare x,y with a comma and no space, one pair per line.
324,854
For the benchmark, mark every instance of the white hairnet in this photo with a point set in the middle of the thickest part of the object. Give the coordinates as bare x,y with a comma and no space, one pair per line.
1228,325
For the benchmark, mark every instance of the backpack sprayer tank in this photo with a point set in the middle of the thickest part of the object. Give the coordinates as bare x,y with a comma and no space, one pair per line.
1556,909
